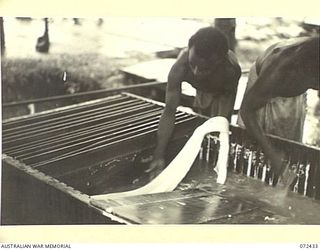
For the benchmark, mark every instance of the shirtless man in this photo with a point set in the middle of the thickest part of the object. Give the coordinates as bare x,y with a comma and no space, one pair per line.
283,74
213,70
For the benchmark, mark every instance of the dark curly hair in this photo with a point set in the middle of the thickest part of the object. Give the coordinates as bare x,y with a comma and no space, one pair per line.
208,41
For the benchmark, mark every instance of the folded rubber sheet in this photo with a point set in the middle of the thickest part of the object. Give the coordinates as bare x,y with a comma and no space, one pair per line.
173,174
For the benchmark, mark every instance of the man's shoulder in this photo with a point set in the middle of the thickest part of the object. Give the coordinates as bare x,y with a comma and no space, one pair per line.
183,56
232,57
234,69
181,65
233,72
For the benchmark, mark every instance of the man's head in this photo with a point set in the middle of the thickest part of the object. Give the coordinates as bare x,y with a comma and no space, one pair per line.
208,47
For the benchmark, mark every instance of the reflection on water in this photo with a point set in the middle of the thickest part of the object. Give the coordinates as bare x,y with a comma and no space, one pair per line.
115,175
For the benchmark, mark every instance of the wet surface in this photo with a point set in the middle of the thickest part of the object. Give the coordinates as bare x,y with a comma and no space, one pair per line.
199,199
118,174
293,207
190,210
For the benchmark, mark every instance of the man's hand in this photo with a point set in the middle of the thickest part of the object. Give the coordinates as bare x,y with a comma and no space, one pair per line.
276,161
283,174
156,167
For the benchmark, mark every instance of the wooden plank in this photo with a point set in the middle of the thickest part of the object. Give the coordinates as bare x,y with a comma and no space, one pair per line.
152,70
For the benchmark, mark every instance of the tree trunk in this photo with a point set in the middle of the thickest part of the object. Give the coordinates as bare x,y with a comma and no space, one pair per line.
228,27
2,41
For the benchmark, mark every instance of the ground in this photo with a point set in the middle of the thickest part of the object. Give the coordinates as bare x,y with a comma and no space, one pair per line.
90,53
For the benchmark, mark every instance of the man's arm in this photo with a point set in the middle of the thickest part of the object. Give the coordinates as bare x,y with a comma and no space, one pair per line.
167,120
224,105
257,97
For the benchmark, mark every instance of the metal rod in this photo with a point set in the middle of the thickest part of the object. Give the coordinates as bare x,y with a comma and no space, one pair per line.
92,140
67,118
88,129
74,124
65,110
71,140
208,147
105,144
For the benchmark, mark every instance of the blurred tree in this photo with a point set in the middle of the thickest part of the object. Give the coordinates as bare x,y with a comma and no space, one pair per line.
100,21
2,41
43,41
76,21
228,27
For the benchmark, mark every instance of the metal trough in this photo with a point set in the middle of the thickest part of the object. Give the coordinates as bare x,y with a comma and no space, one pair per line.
54,161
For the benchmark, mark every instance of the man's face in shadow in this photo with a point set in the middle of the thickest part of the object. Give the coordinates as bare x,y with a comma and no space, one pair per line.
202,67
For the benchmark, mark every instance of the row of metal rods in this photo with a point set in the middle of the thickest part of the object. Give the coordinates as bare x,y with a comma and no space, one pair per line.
208,150
63,112
87,144
77,136
54,137
50,129
86,130
89,141
105,142
253,166
252,163
69,119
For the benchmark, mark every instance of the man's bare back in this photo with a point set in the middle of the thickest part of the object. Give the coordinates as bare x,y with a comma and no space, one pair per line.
286,69
294,62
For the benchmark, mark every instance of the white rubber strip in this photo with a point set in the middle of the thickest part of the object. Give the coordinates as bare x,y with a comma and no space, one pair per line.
173,174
